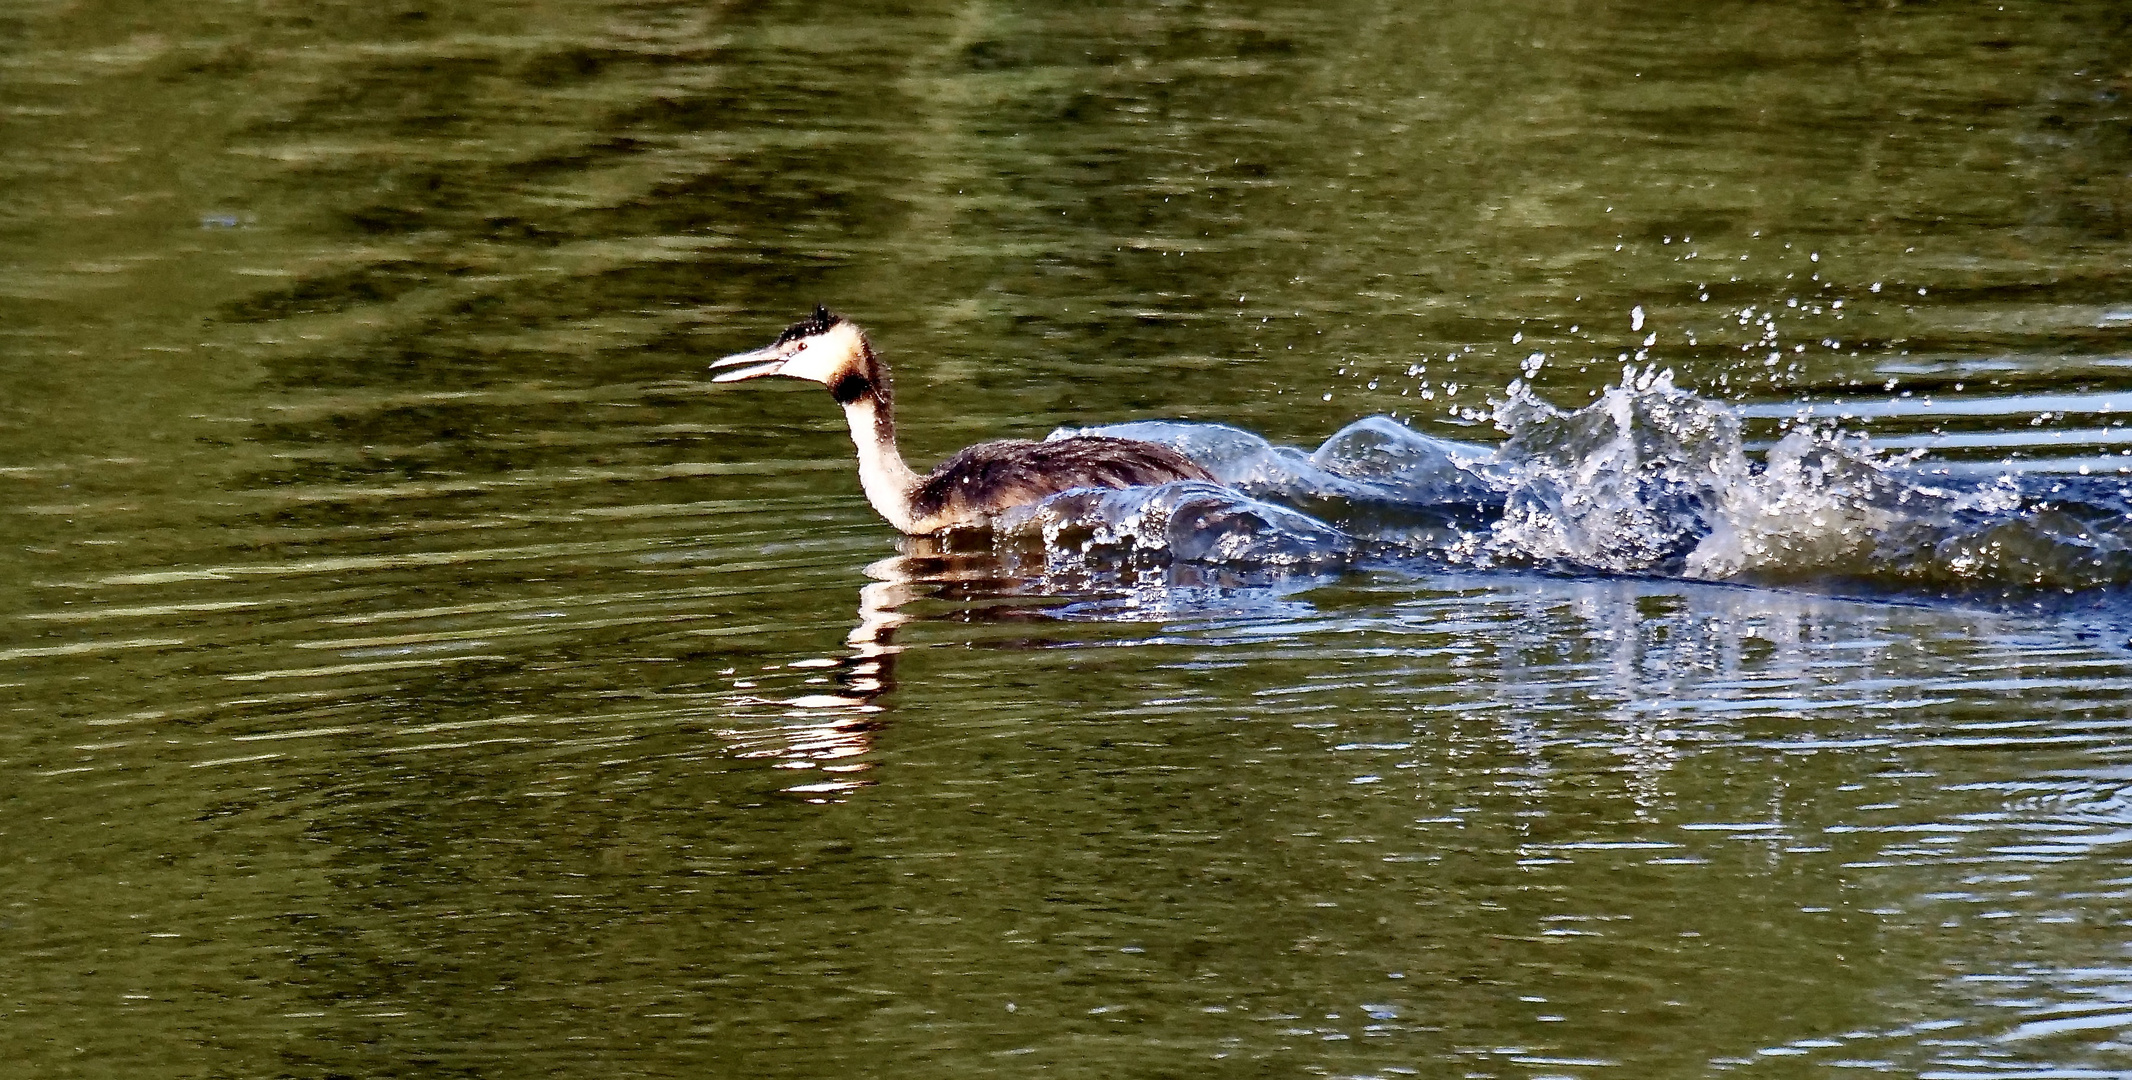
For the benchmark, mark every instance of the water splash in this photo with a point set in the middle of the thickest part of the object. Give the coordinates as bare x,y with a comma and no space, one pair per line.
1649,479
1375,479
1627,485
1190,521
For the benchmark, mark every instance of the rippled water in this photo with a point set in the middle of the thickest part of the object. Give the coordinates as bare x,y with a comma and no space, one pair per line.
416,667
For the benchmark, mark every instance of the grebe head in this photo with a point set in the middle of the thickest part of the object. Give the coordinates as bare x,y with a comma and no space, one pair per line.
824,347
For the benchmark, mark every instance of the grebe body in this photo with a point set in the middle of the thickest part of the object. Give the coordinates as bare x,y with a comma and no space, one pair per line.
973,484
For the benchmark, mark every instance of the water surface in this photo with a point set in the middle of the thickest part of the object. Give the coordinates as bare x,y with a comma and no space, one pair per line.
415,667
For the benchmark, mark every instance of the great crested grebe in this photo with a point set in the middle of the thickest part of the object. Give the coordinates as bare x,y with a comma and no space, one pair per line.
975,483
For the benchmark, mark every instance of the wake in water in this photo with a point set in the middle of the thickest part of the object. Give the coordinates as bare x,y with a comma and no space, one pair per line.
1647,480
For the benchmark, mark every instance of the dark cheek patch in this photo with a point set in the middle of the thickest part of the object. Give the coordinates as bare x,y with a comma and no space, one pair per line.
850,388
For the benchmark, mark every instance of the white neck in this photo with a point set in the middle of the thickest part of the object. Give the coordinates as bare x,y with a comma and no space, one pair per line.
889,483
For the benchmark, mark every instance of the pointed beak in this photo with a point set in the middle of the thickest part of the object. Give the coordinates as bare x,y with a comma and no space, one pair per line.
760,362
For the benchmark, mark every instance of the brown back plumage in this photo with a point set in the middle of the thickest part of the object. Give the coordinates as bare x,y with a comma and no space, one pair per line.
992,476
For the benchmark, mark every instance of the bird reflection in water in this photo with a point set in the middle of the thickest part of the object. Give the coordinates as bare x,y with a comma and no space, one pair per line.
975,577
968,577
828,731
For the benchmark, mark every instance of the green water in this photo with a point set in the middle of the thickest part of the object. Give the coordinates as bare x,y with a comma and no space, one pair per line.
413,666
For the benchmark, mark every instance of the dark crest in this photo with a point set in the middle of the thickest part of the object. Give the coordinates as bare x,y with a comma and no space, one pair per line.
819,322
